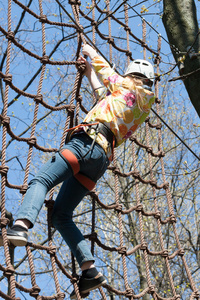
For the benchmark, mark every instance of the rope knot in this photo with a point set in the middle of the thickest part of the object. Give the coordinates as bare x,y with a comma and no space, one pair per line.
154,182
74,2
149,150
8,78
43,18
79,98
4,170
122,250
181,252
51,250
10,35
157,101
139,207
127,28
165,253
80,29
159,126
129,293
38,98
162,154
93,236
32,141
118,208
157,214
151,289
93,23
166,185
45,59
9,270
136,174
35,291
23,189
74,279
157,59
132,138
71,109
116,170
177,297
172,219
5,121
81,67
143,246
4,222
60,296
128,53
111,41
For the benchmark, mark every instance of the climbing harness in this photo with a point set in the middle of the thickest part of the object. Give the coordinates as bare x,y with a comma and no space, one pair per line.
98,127
73,161
105,131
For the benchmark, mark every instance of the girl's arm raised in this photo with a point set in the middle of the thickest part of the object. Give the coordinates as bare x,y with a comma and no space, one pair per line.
90,74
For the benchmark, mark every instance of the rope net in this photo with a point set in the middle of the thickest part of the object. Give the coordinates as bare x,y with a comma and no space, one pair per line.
133,245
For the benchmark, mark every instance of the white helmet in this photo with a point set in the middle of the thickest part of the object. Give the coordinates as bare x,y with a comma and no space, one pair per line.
141,66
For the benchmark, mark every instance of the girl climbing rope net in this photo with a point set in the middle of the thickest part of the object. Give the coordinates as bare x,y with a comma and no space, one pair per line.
122,105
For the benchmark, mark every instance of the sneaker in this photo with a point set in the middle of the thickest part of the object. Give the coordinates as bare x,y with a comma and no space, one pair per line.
17,235
88,284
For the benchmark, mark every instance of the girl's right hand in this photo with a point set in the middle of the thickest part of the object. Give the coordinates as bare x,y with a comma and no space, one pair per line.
88,66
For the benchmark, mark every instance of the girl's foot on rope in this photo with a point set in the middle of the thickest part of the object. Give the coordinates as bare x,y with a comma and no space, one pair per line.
17,235
89,282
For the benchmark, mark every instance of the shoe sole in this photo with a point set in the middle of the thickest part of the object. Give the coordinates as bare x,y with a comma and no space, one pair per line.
89,289
15,241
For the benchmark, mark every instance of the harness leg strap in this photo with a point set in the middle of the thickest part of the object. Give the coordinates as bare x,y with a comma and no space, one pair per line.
85,181
72,160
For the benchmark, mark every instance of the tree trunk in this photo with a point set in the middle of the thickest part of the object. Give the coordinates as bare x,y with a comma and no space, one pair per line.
181,25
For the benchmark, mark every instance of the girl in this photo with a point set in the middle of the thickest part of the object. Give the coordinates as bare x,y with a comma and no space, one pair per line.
122,105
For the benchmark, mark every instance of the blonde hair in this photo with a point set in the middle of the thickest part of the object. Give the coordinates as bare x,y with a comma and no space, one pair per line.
133,86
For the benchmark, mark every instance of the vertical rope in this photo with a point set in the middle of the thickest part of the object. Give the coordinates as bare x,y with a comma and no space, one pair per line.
93,198
127,30
34,123
109,29
144,33
143,242
74,279
119,209
93,33
168,194
35,287
152,177
9,269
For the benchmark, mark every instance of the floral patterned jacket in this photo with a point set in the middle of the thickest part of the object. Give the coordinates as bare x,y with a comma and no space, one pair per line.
117,107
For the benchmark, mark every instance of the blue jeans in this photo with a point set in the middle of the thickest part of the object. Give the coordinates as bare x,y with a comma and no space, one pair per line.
93,163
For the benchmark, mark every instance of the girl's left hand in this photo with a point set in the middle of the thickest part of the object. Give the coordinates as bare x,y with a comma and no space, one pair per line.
89,51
